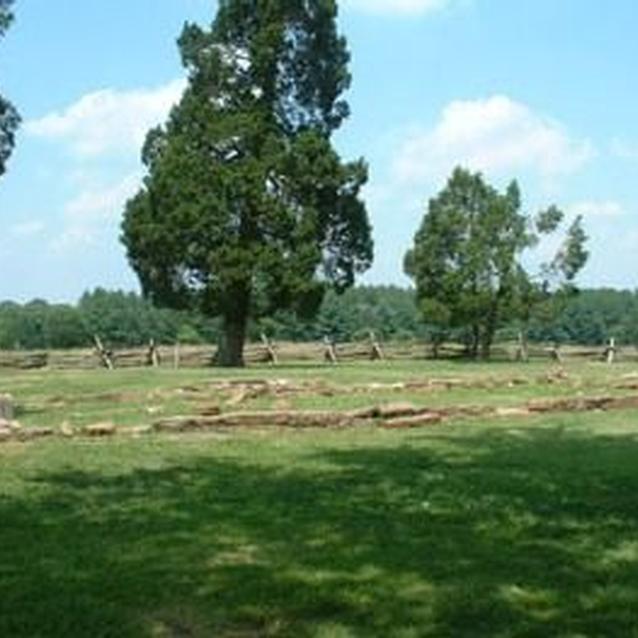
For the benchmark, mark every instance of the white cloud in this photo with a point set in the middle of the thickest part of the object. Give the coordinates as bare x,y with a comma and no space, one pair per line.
108,121
400,7
592,208
96,210
496,135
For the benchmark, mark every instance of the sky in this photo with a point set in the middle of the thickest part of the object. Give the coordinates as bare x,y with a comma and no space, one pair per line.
534,90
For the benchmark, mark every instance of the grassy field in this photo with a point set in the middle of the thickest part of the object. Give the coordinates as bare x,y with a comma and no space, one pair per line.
516,527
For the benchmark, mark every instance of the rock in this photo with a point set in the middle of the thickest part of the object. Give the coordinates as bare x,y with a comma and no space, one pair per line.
395,410
542,406
141,430
418,421
210,410
179,424
100,430
9,429
67,431
6,424
238,396
365,413
294,418
628,385
33,433
623,403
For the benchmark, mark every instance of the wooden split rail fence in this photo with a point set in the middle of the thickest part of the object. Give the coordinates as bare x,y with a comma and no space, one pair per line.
175,356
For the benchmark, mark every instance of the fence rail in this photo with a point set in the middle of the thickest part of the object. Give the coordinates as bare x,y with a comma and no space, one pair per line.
255,353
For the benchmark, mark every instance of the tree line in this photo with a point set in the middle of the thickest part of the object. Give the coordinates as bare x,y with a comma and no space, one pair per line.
123,319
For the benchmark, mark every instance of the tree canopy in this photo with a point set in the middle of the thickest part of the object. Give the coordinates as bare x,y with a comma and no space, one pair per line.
246,207
9,118
467,259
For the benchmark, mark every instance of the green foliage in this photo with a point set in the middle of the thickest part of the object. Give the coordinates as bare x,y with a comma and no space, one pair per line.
467,259
388,311
592,317
6,16
247,209
9,118
120,319
38,325
573,256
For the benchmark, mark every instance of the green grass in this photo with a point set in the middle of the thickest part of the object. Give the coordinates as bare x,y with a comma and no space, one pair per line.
509,529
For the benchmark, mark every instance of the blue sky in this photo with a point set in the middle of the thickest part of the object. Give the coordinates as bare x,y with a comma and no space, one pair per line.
539,90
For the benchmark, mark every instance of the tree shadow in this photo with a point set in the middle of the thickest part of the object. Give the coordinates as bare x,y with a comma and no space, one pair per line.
533,533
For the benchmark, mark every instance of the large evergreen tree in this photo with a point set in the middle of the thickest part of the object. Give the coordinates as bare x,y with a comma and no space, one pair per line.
9,118
246,207
467,259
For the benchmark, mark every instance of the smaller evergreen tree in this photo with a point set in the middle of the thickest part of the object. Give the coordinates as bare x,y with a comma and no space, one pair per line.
467,259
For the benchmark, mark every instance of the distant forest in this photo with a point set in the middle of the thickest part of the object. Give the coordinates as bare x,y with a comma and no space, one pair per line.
125,319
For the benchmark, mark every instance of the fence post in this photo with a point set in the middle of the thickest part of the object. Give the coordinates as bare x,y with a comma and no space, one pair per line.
377,353
153,358
106,356
270,350
522,353
330,352
555,354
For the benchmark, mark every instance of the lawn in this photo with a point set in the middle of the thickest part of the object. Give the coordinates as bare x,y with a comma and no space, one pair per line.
523,527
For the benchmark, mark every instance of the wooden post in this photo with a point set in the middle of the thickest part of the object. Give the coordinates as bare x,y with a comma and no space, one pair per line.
271,355
106,356
377,353
153,358
556,354
330,352
522,353
610,352
176,356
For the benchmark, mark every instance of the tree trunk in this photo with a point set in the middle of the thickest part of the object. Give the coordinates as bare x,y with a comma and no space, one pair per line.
489,330
522,353
231,346
486,344
475,341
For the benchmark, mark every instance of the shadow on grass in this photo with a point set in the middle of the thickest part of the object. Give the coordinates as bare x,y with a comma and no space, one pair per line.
526,534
